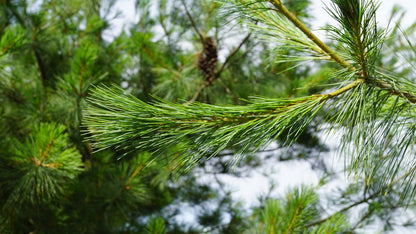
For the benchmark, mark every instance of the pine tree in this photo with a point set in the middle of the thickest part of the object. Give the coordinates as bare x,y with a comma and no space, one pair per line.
372,105
80,154
50,179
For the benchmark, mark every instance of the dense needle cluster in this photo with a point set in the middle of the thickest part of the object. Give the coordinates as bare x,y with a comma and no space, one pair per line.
369,103
80,154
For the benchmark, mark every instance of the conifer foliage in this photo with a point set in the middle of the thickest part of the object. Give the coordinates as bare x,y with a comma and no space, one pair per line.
374,107
104,133
41,167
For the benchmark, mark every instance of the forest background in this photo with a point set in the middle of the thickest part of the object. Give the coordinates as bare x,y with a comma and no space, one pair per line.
53,54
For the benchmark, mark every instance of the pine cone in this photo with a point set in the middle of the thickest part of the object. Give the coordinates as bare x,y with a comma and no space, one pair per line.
207,61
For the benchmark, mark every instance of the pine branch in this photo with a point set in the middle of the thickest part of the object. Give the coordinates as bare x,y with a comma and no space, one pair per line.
393,91
370,110
158,61
119,120
344,89
38,57
228,90
197,93
41,167
19,18
282,9
363,218
364,200
214,120
191,19
373,81
231,55
41,65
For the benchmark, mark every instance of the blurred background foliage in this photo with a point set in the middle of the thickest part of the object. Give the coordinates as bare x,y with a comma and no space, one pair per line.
52,52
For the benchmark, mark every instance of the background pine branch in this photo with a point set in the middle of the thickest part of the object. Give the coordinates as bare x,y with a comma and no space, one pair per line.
79,154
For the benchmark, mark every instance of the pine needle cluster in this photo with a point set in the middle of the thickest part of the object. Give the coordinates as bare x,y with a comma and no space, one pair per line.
206,129
372,106
42,167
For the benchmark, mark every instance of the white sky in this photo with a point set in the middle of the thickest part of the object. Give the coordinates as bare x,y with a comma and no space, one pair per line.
321,17
384,11
127,7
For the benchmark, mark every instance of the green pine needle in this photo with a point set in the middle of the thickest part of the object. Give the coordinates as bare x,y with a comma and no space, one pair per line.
42,167
116,119
375,109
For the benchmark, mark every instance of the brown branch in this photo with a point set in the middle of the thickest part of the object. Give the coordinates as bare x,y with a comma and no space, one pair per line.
196,95
364,200
232,53
357,225
389,88
165,29
157,60
193,22
406,174
38,57
16,14
41,66
228,90
282,9
397,180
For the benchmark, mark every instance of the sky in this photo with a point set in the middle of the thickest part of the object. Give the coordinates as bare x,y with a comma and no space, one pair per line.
127,8
321,17
383,14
